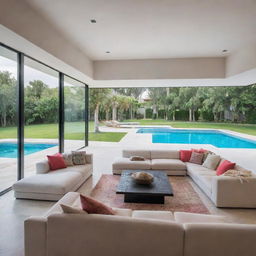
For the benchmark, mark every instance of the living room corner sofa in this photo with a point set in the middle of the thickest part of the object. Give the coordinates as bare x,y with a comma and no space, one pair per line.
53,185
224,191
135,233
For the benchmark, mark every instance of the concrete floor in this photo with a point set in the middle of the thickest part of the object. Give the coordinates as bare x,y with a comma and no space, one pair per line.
14,212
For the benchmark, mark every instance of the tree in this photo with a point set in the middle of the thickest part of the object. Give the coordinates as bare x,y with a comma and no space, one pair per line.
173,101
191,100
36,88
7,97
97,97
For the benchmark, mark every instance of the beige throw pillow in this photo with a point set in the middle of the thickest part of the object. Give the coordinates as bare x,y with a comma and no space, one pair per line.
211,161
68,159
71,210
78,157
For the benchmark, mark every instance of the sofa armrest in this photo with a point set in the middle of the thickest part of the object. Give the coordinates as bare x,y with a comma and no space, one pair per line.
42,167
35,229
231,192
219,239
89,158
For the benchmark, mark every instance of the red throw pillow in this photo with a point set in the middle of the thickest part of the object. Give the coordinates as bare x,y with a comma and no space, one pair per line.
56,162
93,206
201,150
224,166
185,155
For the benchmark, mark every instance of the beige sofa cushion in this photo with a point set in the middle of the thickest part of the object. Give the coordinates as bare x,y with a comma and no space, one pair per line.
219,239
158,215
186,217
42,167
167,164
122,212
127,164
54,182
136,152
165,154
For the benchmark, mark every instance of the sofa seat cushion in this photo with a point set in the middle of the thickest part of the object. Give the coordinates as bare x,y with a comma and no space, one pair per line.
207,180
167,164
165,154
158,215
127,164
83,169
199,169
187,217
57,182
123,212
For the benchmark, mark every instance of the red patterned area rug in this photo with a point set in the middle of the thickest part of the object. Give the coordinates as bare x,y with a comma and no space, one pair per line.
185,198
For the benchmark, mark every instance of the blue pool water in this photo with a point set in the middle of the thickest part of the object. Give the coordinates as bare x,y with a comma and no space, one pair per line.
9,149
216,138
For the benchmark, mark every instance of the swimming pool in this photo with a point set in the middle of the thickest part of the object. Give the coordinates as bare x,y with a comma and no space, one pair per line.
183,136
9,149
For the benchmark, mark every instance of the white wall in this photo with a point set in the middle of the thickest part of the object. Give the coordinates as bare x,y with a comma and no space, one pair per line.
37,30
184,68
242,60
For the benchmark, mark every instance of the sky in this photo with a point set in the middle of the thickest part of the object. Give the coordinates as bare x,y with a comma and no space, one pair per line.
30,74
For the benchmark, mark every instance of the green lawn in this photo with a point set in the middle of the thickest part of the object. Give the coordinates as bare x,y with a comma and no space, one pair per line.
73,131
243,128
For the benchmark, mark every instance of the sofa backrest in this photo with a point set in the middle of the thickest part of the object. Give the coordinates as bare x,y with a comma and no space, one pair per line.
112,235
219,239
42,167
165,154
152,154
136,152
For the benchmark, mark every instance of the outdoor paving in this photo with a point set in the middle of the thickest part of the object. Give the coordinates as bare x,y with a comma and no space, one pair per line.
13,212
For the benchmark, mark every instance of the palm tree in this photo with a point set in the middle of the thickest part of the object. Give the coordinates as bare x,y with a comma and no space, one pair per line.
97,97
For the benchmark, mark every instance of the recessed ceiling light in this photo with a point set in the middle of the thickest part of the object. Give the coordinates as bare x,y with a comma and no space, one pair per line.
224,51
107,51
93,21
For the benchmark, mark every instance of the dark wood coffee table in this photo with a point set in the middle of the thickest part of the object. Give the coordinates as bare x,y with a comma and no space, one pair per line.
153,193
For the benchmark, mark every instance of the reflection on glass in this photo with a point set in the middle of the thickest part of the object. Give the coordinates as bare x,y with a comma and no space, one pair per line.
74,101
41,103
8,118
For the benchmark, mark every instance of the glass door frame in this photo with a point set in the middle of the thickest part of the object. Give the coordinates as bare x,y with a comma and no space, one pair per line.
20,110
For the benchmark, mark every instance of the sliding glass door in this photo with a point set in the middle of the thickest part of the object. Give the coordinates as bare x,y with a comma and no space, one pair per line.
75,113
8,118
41,109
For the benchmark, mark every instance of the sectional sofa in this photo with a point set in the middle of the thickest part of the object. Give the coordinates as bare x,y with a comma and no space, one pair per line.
224,191
53,185
135,233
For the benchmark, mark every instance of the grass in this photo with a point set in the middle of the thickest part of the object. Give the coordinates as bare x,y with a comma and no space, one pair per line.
73,131
242,128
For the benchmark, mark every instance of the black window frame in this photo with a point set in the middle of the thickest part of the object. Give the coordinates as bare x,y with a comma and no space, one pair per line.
20,109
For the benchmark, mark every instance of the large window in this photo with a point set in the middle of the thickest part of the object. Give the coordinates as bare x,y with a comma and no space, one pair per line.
74,105
8,118
40,107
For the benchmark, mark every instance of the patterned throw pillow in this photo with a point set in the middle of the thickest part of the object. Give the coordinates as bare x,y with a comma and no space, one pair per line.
78,157
68,159
196,158
137,158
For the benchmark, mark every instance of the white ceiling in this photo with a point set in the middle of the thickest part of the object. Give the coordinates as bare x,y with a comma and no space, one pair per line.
142,29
